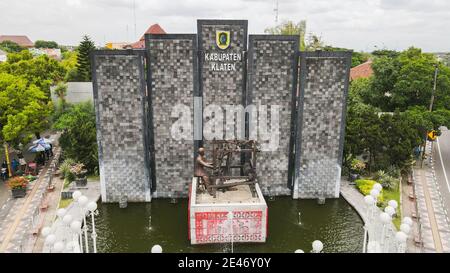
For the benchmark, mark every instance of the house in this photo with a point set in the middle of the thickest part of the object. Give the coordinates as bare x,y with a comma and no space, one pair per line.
54,53
153,29
21,40
363,70
3,56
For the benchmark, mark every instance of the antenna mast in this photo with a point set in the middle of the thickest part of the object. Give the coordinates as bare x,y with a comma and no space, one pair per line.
134,17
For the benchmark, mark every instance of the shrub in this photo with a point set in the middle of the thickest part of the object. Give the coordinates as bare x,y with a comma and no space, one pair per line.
64,168
389,182
17,182
366,185
357,166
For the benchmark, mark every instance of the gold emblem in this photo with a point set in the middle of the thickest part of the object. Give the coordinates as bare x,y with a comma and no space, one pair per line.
222,39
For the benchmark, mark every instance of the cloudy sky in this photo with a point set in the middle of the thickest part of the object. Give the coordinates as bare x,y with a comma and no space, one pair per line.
357,24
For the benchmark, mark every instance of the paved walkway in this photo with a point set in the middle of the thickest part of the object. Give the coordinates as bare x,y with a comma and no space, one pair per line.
409,209
19,217
356,200
434,223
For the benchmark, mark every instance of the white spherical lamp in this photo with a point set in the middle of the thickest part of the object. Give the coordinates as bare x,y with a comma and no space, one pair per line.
393,204
374,193
156,249
67,219
401,237
46,231
389,210
60,213
369,200
317,246
75,226
76,195
58,247
82,200
385,218
377,186
405,228
299,251
92,206
407,220
50,239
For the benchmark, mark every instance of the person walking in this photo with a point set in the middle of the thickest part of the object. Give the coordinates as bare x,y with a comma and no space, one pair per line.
4,171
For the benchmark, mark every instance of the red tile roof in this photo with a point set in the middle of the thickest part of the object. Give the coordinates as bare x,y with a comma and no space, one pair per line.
363,70
21,40
153,29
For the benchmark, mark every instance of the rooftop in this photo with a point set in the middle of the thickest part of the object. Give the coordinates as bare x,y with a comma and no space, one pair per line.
363,70
21,40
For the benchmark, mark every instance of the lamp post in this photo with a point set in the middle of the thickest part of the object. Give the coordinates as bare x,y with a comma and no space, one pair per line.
82,202
385,219
92,207
370,201
299,251
75,226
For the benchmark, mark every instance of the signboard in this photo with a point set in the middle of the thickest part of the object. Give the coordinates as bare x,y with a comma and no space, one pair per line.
432,135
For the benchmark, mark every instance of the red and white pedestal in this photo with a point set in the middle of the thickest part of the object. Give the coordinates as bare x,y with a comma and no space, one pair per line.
232,216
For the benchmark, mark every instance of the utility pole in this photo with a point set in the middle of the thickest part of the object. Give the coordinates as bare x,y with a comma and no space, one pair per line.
436,70
276,13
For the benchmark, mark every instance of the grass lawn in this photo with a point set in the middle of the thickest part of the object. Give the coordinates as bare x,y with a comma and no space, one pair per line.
394,194
365,185
65,203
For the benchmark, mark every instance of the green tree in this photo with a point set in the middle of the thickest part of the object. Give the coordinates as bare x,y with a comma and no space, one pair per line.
78,139
290,28
45,44
69,62
407,80
23,109
83,59
10,46
41,71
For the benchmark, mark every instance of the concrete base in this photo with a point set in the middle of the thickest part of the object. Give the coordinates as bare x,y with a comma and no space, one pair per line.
211,219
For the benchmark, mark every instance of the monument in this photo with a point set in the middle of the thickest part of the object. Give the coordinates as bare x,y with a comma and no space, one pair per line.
156,107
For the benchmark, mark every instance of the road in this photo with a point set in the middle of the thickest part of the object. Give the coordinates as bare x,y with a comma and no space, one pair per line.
441,156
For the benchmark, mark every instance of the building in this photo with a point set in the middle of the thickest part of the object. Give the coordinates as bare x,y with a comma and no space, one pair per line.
363,70
54,53
118,45
153,29
21,40
3,56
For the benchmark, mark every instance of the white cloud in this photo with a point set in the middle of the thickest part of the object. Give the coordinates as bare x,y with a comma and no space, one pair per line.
357,24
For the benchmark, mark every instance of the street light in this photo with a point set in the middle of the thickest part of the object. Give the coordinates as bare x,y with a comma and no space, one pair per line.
389,210
370,201
75,226
401,237
156,249
405,228
393,204
92,207
76,195
377,186
82,202
299,251
50,240
385,219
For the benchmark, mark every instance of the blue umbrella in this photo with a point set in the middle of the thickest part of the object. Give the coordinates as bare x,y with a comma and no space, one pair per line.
39,148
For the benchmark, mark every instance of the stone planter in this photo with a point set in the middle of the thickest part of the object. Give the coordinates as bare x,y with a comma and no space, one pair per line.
19,193
81,181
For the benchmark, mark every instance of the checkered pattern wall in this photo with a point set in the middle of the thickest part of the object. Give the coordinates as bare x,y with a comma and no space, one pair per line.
321,123
222,87
119,97
172,73
272,81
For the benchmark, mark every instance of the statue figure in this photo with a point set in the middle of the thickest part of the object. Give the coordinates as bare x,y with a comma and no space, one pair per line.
200,165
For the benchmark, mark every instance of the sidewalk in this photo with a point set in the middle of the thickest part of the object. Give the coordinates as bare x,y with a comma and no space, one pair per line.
356,200
434,224
19,217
